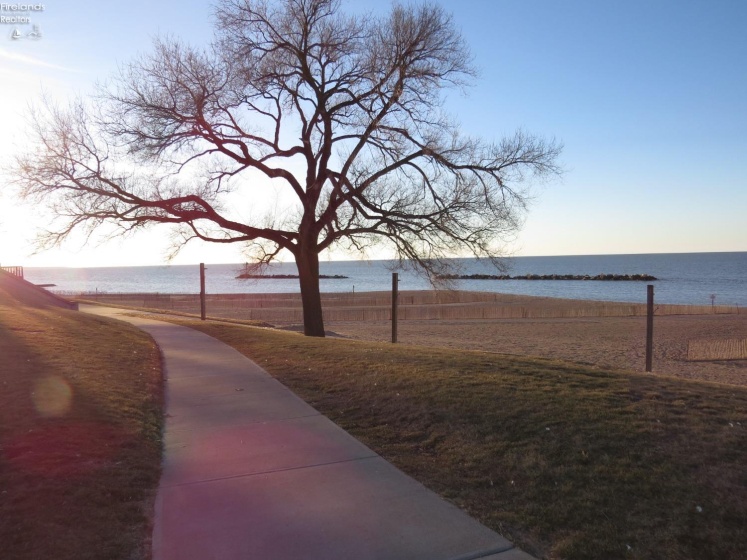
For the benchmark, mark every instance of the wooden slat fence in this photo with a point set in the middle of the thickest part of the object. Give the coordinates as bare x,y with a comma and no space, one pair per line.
14,270
414,306
714,350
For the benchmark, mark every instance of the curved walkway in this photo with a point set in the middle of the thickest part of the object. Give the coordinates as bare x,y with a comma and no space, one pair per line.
250,471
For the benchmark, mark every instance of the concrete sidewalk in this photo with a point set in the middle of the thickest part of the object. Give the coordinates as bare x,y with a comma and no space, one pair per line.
253,472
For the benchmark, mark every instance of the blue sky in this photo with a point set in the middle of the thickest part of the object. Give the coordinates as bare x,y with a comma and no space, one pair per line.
649,99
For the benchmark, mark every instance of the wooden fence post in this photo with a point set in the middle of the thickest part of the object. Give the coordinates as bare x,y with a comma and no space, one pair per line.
395,297
202,291
649,326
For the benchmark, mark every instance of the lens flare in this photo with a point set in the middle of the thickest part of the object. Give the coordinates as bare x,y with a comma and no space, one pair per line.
52,396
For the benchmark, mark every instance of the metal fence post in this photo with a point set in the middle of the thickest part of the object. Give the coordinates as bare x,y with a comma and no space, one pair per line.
202,291
649,326
395,297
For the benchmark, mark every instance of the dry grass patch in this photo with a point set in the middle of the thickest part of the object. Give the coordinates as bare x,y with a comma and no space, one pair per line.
566,461
80,435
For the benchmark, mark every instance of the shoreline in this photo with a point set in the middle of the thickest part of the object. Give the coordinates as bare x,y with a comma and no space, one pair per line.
418,298
598,333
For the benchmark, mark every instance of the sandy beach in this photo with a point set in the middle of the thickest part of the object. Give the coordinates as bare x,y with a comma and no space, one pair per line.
610,342
600,334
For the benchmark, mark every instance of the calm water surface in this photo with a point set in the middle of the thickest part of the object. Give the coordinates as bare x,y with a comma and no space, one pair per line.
683,278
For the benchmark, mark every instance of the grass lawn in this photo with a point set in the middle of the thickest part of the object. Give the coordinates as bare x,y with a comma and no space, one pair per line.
80,435
567,461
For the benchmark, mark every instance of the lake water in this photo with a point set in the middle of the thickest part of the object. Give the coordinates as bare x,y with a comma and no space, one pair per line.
683,278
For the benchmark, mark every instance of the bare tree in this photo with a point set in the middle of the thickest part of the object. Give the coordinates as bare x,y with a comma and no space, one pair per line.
346,112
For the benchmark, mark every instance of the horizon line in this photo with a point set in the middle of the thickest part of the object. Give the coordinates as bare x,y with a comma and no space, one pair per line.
321,261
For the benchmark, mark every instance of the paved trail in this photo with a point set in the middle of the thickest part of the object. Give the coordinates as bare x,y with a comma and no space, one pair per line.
253,472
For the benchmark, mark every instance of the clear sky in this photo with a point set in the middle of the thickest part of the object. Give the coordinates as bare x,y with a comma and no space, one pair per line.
648,97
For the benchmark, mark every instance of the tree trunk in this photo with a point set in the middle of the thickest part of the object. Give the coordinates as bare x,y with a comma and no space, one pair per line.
308,276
